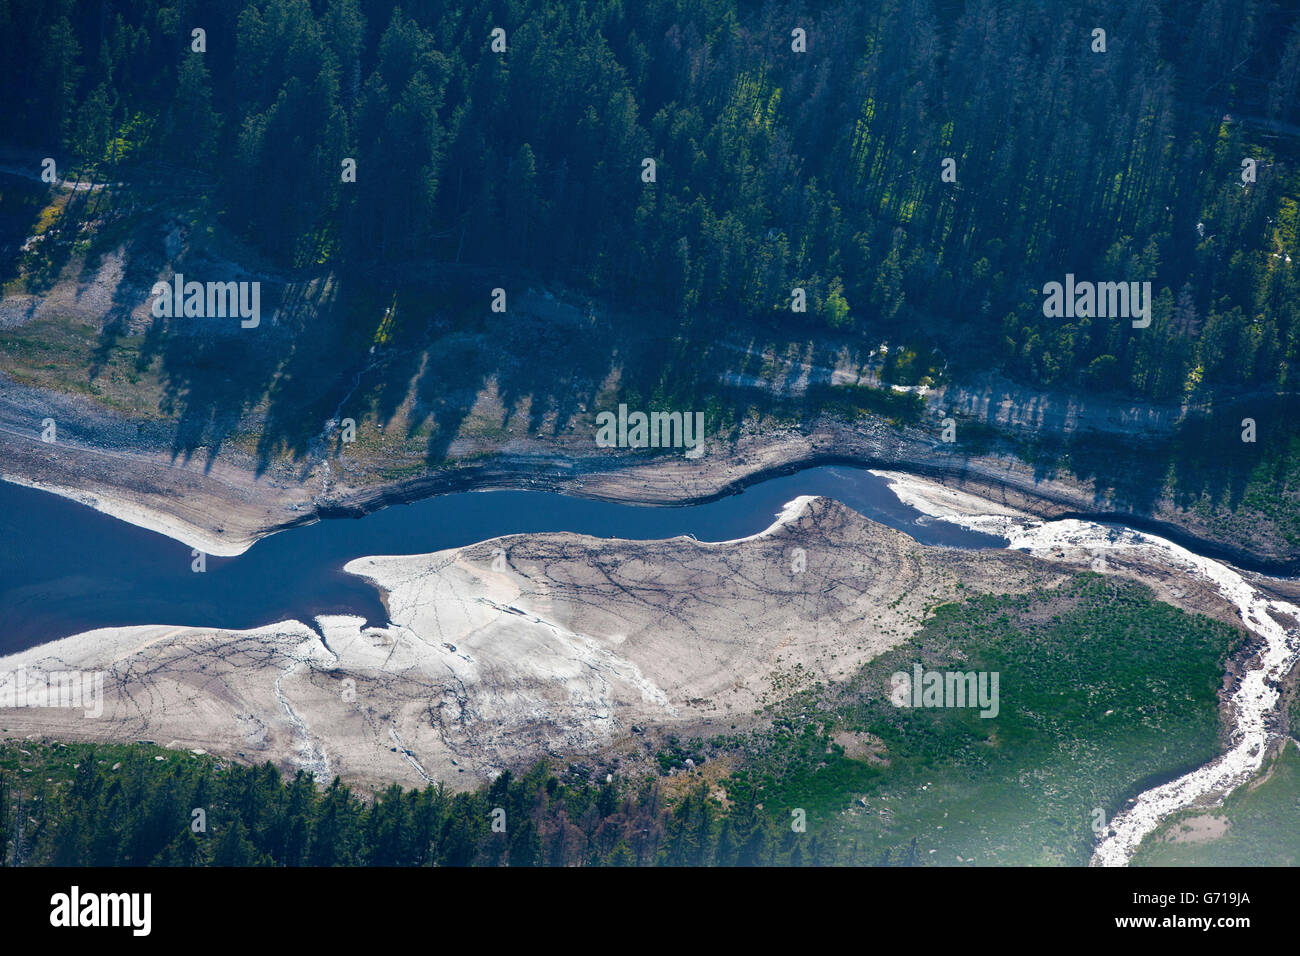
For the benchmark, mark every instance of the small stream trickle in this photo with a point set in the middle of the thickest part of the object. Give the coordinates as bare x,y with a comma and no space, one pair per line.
1254,701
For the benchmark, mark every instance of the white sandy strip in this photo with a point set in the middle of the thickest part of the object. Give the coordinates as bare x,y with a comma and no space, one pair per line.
147,518
104,646
792,511
1254,701
476,611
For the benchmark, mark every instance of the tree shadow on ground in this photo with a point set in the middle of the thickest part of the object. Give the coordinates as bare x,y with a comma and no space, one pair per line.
1204,462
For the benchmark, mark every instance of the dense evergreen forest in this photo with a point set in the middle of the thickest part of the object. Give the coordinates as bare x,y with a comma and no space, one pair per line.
137,809
774,168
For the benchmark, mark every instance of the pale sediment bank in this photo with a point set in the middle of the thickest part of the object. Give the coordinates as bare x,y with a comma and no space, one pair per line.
153,519
792,511
510,650
564,645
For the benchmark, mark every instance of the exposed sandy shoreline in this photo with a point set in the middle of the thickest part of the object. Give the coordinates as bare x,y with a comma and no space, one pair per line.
557,644
142,516
561,645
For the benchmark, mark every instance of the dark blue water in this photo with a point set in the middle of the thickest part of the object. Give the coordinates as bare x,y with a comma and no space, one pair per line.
66,568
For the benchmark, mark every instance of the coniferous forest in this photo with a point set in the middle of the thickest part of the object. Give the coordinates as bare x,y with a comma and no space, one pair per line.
773,168
921,169
137,813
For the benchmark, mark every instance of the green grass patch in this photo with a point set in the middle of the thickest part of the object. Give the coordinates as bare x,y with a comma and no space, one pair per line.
1103,691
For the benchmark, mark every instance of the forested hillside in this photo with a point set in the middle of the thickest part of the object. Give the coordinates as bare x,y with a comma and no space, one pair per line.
774,168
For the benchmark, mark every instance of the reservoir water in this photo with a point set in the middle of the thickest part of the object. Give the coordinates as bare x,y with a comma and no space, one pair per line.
66,568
